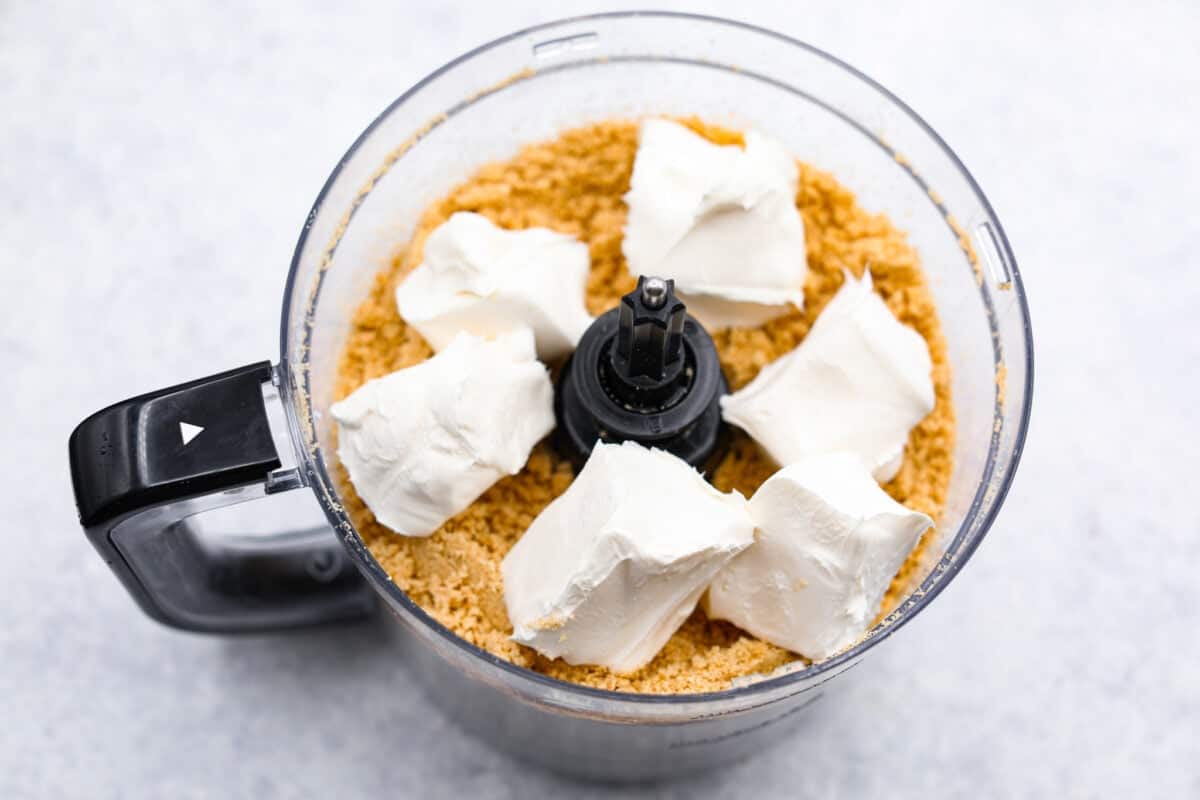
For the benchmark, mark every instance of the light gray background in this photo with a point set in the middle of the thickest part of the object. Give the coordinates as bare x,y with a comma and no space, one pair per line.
156,163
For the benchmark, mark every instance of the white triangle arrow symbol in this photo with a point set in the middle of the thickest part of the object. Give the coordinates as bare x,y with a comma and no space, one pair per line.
189,432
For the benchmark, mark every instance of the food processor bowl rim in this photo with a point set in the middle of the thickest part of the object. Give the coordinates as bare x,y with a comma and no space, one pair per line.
949,564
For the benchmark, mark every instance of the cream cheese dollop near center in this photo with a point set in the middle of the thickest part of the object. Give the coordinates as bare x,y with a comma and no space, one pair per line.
719,220
478,278
611,568
828,543
858,382
422,443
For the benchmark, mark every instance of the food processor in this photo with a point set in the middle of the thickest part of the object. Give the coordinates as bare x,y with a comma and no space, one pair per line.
150,472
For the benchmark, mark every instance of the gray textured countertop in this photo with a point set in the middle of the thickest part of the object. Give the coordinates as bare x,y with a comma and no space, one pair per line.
157,165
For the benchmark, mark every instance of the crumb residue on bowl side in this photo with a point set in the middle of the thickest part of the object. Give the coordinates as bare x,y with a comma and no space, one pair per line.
574,184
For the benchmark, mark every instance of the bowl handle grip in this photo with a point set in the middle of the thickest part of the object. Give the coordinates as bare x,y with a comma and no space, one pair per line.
144,469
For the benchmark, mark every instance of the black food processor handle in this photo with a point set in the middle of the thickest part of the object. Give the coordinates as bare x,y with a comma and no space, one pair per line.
145,468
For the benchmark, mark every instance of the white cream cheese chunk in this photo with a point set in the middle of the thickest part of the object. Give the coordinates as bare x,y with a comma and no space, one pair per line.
829,542
858,382
484,280
422,443
610,569
720,220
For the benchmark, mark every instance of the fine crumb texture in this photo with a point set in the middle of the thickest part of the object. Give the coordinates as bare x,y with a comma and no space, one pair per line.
574,184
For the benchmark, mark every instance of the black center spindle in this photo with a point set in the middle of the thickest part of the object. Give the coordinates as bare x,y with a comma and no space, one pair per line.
644,371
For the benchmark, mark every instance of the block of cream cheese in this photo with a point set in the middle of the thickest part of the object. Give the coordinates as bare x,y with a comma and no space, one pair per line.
858,382
423,443
485,280
720,220
610,569
829,542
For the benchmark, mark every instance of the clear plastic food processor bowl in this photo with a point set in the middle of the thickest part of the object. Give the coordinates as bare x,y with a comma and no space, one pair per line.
527,87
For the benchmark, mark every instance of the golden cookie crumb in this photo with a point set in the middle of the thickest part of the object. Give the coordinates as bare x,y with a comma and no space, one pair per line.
574,184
